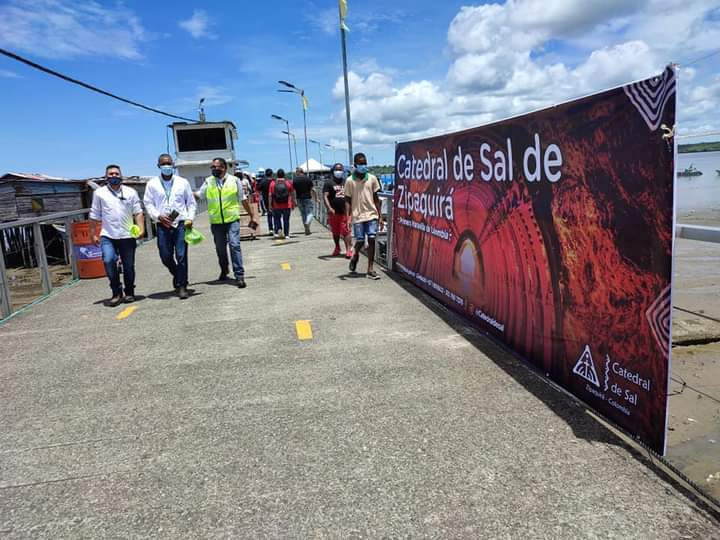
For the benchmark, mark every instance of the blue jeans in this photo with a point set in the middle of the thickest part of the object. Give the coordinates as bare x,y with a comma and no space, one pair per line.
306,207
173,252
366,228
282,219
224,234
125,250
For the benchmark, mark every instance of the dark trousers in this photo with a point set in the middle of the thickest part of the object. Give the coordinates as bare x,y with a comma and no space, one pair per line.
281,216
173,253
123,248
271,227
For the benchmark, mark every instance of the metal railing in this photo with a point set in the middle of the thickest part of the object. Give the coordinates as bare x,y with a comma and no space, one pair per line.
65,218
700,233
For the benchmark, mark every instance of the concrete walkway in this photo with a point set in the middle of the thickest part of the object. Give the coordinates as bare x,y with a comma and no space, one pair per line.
209,418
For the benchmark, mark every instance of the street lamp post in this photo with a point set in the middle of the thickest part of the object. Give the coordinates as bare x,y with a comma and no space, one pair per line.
287,124
319,150
333,149
303,99
290,134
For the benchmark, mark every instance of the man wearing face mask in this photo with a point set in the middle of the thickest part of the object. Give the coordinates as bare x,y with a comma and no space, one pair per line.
170,203
224,194
114,207
334,198
363,205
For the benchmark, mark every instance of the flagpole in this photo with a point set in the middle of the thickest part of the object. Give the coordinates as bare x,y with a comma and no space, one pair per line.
345,76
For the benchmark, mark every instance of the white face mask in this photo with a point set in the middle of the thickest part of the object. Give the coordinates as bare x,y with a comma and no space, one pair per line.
338,174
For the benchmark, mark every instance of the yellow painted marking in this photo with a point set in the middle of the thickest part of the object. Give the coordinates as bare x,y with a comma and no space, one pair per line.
125,313
304,330
285,266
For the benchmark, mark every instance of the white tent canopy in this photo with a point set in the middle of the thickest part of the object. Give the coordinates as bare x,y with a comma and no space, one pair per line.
315,166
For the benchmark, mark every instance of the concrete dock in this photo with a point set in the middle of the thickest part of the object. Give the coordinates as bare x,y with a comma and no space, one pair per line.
210,418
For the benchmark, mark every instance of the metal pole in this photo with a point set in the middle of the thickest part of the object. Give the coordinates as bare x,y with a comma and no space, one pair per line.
389,228
347,93
289,150
5,303
41,259
297,163
70,248
307,158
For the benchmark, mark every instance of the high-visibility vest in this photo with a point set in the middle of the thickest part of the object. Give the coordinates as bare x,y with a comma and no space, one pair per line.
223,204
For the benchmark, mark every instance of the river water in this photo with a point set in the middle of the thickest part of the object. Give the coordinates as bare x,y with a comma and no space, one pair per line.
699,194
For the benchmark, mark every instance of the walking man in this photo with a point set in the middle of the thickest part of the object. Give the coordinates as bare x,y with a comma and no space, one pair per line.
170,203
304,189
114,207
363,205
334,199
224,194
265,195
282,201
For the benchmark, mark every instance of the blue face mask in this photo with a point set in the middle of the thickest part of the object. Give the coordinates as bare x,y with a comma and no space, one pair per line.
167,170
114,180
361,169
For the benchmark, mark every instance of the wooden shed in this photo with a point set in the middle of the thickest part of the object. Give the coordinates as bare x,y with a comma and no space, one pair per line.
25,195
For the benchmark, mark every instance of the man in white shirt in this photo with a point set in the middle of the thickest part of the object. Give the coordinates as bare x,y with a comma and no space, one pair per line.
114,207
170,203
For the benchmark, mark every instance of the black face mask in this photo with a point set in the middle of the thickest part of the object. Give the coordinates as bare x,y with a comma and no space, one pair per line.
217,173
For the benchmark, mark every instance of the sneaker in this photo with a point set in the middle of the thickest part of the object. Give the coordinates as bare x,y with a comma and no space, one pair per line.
116,300
349,254
129,299
353,264
183,293
281,235
373,275
336,251
241,283
223,276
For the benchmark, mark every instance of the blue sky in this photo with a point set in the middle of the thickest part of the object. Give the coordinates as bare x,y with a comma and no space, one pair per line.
418,68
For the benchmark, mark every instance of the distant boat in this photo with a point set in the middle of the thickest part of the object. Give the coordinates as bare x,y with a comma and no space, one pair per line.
690,171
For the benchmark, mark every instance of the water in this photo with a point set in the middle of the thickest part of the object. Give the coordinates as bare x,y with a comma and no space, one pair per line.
699,194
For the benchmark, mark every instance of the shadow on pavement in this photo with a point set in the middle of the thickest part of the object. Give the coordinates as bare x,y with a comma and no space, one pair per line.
171,294
577,415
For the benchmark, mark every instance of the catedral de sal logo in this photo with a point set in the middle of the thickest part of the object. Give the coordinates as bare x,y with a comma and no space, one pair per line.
553,232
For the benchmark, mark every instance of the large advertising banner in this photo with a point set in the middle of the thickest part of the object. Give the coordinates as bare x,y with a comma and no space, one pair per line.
554,232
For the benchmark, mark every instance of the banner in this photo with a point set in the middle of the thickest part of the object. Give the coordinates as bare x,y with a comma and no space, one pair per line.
554,231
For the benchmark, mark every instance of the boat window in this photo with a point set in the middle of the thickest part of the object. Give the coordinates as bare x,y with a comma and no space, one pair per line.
196,140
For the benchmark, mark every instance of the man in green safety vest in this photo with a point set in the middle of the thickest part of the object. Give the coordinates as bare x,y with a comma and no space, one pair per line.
224,194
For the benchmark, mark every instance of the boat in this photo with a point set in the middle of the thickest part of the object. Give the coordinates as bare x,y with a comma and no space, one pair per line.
690,171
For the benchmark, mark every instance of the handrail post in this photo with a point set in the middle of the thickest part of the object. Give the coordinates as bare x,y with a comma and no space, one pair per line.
148,227
389,229
5,303
41,258
70,248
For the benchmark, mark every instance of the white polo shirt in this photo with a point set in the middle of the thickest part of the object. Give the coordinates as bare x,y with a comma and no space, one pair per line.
162,198
115,210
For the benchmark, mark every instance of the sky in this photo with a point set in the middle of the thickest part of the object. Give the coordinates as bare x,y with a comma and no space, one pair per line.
417,68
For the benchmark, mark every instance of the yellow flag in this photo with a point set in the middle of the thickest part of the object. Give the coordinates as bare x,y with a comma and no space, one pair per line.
343,14
305,102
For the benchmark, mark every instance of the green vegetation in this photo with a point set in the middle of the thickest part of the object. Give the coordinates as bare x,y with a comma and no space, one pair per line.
381,169
699,147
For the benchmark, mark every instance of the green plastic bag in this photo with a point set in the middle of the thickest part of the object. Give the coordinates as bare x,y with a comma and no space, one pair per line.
135,231
193,236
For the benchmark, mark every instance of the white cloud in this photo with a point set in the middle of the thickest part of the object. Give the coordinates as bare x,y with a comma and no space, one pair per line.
7,74
197,25
67,29
499,65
